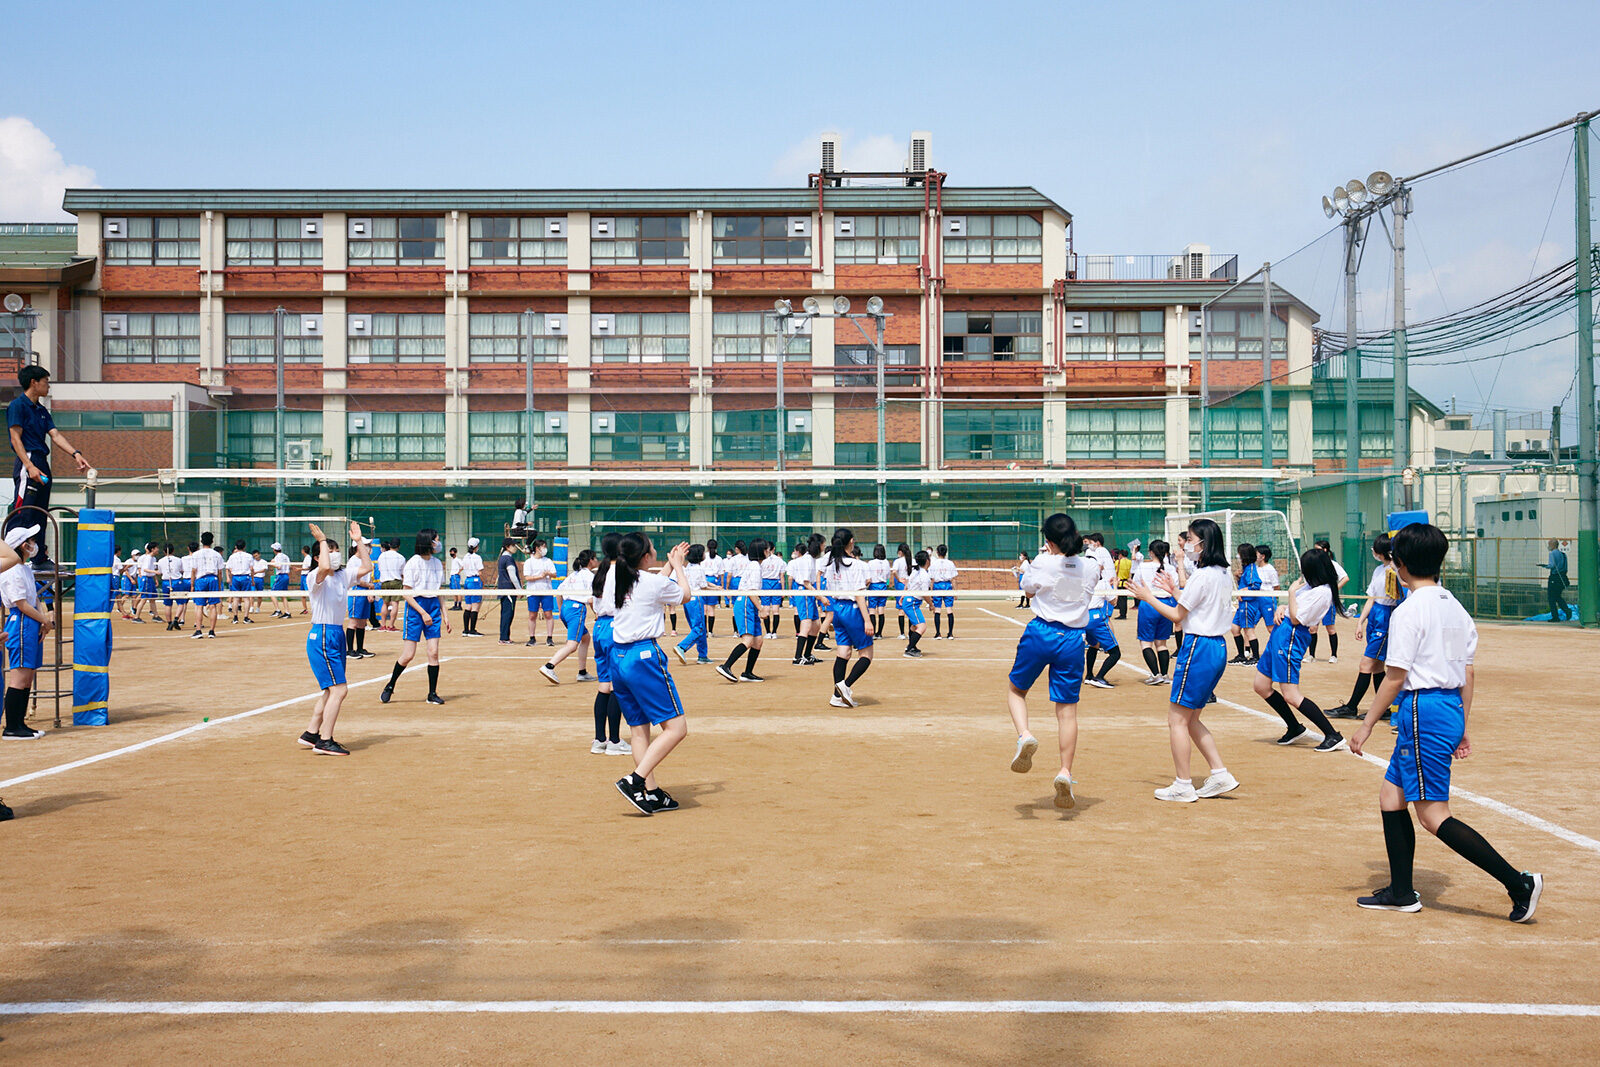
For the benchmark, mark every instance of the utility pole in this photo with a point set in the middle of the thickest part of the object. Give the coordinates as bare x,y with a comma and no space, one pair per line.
1588,521
1352,408
529,443
883,507
1205,404
1268,502
1402,384
783,324
279,489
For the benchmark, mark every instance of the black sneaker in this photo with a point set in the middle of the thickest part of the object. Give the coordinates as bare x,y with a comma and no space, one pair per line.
809,661
330,747
748,677
1523,907
6,813
1237,660
797,661
823,646
631,786
24,734
1333,743
912,653
1290,735
531,641
663,800
435,698
308,739
1343,711
1386,899
388,692
550,642
726,673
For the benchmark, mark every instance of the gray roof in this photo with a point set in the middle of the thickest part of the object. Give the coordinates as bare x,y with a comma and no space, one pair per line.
1160,292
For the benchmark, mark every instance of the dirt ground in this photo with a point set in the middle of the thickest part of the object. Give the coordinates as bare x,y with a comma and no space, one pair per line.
479,853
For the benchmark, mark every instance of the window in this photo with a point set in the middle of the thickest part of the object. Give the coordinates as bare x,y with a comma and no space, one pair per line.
1328,430
252,338
403,338
499,437
752,337
271,242
14,338
516,241
252,437
499,337
398,437
401,242
993,335
993,433
156,242
1505,516
640,436
654,337
862,368
1236,334
752,435
1533,513
997,239
865,453
1236,433
1119,335
757,239
648,241
157,337
113,420
1116,433
878,239
1519,516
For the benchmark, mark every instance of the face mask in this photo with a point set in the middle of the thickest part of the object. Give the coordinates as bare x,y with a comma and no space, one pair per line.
438,545
1191,549
333,559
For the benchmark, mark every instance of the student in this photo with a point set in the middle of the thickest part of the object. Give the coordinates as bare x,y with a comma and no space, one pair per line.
422,578
1202,610
325,644
305,577
27,625
238,579
714,566
360,608
694,612
1057,582
574,592
1431,645
1328,620
1124,564
639,667
943,572
1244,615
471,579
607,706
149,578
185,584
771,579
1308,599
918,583
453,572
391,577
808,622
507,581
208,568
171,573
537,571
280,581
852,625
747,623
258,580
877,580
1266,608
1154,629
521,518
733,570
1098,572
1020,568
904,563
1383,594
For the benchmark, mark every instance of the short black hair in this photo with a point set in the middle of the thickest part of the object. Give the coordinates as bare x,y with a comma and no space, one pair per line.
30,374
1420,549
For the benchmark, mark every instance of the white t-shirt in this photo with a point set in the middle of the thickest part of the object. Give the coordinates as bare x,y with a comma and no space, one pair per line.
849,576
171,568
207,562
471,566
942,570
519,517
1102,576
877,571
1344,575
1432,639
802,570
328,597
1311,603
578,585
898,569
149,564
918,581
258,567
733,565
18,586
186,566
537,571
423,575
748,575
1268,575
280,565
306,563
1377,587
772,568
713,566
696,573
1208,596
239,564
454,567
1058,588
639,617
1147,569
391,565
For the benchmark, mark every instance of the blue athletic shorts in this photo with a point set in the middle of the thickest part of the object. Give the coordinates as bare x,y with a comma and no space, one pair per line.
572,617
1378,631
182,585
1244,615
240,583
1054,645
1327,620
1197,668
325,653
601,638
876,603
1430,724
945,602
805,608
849,630
166,593
643,684
1154,626
208,584
148,587
360,608
1280,660
771,601
472,582
280,583
544,602
414,630
24,642
455,581
912,608
746,617
1098,632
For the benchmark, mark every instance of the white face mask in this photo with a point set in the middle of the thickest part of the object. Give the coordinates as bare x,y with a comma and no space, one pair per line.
438,545
1191,548
334,559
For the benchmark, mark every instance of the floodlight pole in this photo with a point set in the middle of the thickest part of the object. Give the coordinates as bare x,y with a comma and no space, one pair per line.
1268,501
1205,403
1401,206
280,460
783,419
1588,468
1352,409
883,493
527,406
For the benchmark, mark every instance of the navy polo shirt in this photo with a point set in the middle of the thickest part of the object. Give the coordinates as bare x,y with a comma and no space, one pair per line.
35,421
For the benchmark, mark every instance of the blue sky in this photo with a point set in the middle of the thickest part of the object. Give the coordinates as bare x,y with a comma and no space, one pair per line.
1155,124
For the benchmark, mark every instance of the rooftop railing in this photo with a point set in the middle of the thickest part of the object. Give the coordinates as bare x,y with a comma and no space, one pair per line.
1198,266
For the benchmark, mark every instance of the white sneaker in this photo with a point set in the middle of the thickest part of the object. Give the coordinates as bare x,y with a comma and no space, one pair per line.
844,694
585,676
549,673
1179,793
1333,659
835,702
1154,679
1064,798
683,657
598,748
619,748
1098,683
1218,784
1022,762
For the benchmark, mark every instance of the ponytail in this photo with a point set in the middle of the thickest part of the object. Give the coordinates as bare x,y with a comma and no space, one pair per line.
839,548
631,550
905,553
1159,549
608,553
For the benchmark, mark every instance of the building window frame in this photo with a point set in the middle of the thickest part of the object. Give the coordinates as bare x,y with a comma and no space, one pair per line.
500,437
155,241
515,241
1235,333
752,337
269,241
997,239
401,337
252,435
1122,334
757,240
878,239
503,337
645,437
642,241
400,437
994,336
1114,433
400,241
154,337
250,337
752,436
642,337
994,433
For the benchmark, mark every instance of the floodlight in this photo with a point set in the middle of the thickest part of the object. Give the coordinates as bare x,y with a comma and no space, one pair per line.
812,307
14,302
1327,207
1341,201
841,305
874,305
1356,191
782,307
1380,183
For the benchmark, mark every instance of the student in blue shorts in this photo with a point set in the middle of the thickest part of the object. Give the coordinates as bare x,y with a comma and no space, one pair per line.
694,611
1244,616
325,643
1432,642
1384,593
607,705
27,624
422,578
1057,582
1310,597
747,621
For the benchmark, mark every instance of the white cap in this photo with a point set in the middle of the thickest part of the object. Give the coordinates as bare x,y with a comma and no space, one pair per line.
15,537
276,547
472,542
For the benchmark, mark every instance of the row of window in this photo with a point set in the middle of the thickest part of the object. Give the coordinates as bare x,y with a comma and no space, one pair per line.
419,241
112,420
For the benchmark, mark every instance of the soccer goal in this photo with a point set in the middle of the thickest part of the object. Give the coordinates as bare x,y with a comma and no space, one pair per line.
1249,528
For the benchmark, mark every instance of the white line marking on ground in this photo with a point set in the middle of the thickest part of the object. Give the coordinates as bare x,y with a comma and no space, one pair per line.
186,731
1524,817
793,1007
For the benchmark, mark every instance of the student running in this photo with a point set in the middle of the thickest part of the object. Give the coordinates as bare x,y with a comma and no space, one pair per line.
574,593
694,609
747,622
1309,599
422,578
1154,630
846,579
1384,592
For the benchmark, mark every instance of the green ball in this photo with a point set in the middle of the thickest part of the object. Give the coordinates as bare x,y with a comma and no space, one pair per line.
206,719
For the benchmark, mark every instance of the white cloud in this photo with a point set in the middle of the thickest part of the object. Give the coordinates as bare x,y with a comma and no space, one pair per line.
33,174
863,152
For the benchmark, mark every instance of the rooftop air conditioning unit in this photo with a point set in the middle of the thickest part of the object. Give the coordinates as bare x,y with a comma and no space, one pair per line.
830,152
1190,264
919,157
298,456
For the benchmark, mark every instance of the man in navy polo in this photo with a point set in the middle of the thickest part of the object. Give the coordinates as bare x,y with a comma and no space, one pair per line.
32,429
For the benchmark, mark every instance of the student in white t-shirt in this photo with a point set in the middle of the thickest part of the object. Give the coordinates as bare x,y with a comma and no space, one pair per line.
1332,616
325,644
537,572
900,568
1308,600
239,581
422,578
280,581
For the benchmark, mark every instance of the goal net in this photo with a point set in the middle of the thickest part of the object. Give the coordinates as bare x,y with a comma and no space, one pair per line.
1258,528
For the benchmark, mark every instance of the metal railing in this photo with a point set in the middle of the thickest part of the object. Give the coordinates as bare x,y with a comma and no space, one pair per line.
1500,577
1111,267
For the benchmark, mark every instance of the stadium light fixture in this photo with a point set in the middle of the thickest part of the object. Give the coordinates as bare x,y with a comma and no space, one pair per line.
1327,207
811,306
1356,191
782,307
1380,183
874,305
841,305
1341,200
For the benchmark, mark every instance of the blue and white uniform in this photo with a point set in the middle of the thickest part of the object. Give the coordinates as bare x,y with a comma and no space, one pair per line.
423,576
358,605
149,576
1097,574
185,582
24,641
171,569
325,649
1248,613
471,575
1199,664
536,574
714,567
455,570
575,590
1432,639
877,580
803,575
1286,647
1054,638
846,578
280,571
694,613
918,583
943,573
639,675
208,568
746,613
733,566
306,563
1152,625
1384,589
772,579
258,573
605,611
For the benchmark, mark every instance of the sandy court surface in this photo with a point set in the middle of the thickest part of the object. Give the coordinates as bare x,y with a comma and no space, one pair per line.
478,853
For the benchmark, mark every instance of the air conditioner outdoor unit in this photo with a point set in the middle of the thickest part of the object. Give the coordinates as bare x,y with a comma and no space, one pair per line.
1190,264
830,152
297,455
920,156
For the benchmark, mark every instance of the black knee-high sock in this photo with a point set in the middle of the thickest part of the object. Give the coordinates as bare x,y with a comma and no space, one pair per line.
797,624
673,615
902,625
1150,661
711,625
361,639
1255,649
1089,656
1311,647
733,657
1471,846
750,664
1238,643
1309,709
839,664
1276,701
1377,681
1164,658
912,639
811,645
613,717
600,700
1400,839
858,670
950,623
937,625
349,639
16,709
433,678
1362,681
1111,661
799,648
1177,636
1333,644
